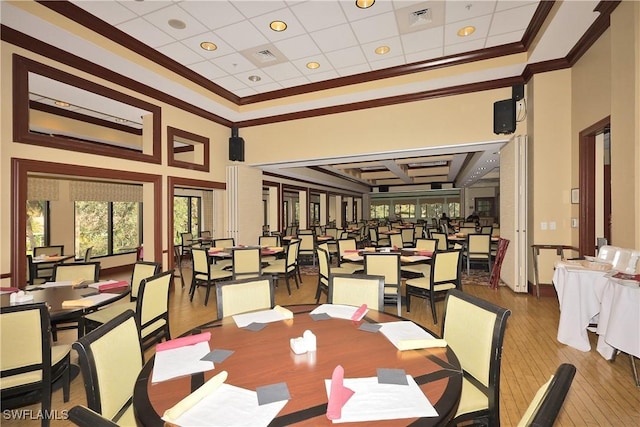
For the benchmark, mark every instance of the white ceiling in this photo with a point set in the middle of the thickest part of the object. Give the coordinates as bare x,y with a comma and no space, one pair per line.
336,34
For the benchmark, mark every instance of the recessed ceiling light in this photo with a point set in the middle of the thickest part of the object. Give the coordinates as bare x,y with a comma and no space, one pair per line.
62,104
278,26
382,50
466,31
313,65
208,46
177,24
364,4
254,78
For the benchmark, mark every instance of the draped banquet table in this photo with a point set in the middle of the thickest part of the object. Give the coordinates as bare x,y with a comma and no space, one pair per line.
264,357
595,296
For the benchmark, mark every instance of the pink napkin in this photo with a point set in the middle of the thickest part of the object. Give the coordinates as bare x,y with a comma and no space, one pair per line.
9,289
351,250
115,285
359,312
339,394
425,253
184,341
268,252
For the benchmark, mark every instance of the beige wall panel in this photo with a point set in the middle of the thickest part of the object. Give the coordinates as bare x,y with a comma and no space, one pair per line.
437,122
625,125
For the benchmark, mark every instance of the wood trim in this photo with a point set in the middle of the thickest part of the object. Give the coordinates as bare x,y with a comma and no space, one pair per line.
171,161
21,168
594,32
21,132
177,181
586,183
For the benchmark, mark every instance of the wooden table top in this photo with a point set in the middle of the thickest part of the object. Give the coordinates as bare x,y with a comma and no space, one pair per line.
264,357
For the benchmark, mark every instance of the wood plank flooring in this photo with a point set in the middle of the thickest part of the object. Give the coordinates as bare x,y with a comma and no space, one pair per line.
602,394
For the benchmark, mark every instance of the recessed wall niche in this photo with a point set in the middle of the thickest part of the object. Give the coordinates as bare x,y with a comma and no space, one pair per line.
53,108
187,150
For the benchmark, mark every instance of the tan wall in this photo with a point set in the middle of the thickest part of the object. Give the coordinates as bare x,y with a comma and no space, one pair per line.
438,122
625,125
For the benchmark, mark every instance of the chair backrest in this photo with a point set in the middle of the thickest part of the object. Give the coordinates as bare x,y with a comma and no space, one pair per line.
48,250
349,289
396,240
383,264
186,239
142,270
346,245
474,329
447,266
443,240
110,360
426,244
307,242
241,296
478,244
87,254
486,229
200,261
331,231
247,262
373,235
25,350
324,266
607,252
468,230
546,404
408,235
305,231
206,234
152,305
227,242
418,232
272,241
89,271
292,255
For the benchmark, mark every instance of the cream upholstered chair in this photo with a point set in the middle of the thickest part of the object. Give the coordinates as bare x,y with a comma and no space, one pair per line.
186,242
396,240
345,245
546,404
88,271
247,262
205,273
141,271
88,253
324,270
27,360
349,289
386,265
45,271
474,329
241,296
287,267
77,271
422,268
226,243
307,246
443,240
443,274
418,232
270,242
478,249
152,309
110,359
408,237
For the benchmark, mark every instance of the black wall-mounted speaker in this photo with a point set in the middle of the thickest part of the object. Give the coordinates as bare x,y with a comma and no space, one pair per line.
236,149
504,116
383,189
517,92
436,186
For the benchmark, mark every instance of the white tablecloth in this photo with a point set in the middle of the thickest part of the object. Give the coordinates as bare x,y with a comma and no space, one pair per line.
590,296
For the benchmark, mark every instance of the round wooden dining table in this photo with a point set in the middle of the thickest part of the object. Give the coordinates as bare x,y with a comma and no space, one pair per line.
265,357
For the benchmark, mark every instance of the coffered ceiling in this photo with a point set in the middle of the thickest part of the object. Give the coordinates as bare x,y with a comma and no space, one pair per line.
252,63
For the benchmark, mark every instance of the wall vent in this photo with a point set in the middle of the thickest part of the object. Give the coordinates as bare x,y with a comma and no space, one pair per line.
265,56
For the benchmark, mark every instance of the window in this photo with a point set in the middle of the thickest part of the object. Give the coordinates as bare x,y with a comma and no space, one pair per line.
430,210
37,224
109,227
315,213
454,209
405,210
186,216
379,210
